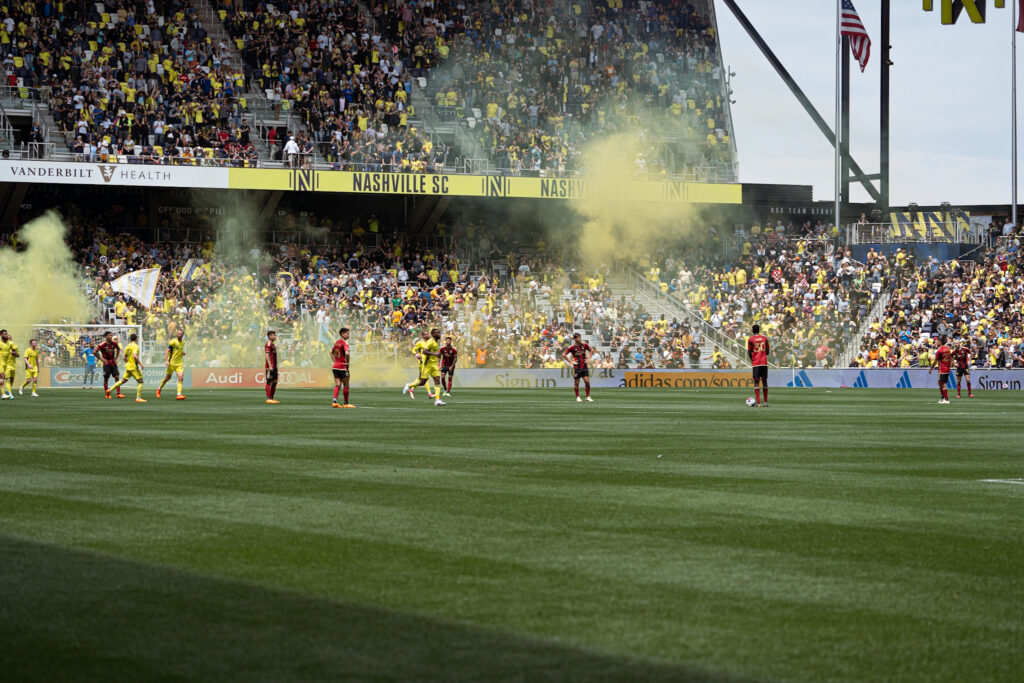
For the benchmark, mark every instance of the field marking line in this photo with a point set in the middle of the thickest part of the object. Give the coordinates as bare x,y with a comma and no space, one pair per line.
1019,482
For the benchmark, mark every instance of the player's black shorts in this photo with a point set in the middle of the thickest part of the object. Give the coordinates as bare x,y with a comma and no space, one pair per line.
943,378
271,375
448,370
580,373
761,372
110,371
340,374
960,372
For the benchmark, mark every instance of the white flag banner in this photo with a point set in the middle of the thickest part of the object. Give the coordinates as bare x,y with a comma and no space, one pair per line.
139,285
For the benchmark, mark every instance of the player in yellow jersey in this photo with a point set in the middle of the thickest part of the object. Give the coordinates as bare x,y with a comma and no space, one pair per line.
31,368
421,379
132,368
428,353
8,357
175,364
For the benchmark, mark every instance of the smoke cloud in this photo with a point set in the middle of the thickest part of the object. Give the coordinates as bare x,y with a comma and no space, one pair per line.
40,283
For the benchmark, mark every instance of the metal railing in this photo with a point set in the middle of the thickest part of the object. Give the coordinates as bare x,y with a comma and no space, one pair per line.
926,232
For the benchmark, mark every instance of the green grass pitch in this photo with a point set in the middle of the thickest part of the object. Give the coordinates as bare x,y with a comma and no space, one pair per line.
512,536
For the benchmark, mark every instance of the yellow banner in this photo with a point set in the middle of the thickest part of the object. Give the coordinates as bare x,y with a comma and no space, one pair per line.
932,226
309,180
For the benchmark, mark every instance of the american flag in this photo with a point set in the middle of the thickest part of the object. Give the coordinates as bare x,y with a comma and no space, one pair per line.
851,26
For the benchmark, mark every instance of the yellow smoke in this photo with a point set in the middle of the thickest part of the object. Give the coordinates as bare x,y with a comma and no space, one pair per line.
40,283
613,228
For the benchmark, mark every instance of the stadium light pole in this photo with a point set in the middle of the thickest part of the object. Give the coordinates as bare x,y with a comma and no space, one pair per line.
839,115
883,124
1013,108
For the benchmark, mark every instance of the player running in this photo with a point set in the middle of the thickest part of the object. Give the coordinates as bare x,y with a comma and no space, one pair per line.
758,349
340,354
417,351
943,358
132,368
108,352
579,354
448,357
8,358
962,357
175,356
270,366
31,368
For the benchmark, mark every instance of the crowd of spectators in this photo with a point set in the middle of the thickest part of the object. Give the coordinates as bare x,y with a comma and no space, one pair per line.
348,83
546,78
131,82
977,302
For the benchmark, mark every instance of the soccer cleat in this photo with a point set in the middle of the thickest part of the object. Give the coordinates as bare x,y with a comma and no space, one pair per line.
943,402
447,395
970,395
439,402
335,404
405,390
180,397
20,391
158,393
411,394
272,401
35,395
430,394
765,404
120,395
140,400
348,405
579,400
589,400
959,396
106,393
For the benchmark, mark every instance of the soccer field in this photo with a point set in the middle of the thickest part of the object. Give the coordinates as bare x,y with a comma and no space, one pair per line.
512,536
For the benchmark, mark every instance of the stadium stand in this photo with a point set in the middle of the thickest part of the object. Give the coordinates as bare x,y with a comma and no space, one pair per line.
977,300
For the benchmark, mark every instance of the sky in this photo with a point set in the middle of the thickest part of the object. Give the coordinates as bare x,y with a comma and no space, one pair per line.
949,100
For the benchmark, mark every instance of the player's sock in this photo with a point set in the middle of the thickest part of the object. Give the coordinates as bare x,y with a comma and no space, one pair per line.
336,394
969,392
106,388
588,391
757,394
266,390
764,390
344,393
577,390
945,395
179,387
25,384
138,391
273,390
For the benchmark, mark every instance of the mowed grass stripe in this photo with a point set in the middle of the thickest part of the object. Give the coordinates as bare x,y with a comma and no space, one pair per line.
573,530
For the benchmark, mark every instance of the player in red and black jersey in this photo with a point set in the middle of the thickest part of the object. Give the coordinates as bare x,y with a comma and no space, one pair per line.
962,358
108,352
270,365
340,355
758,349
579,355
448,357
944,359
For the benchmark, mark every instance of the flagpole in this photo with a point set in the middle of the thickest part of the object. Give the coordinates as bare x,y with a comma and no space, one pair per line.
839,114
1013,108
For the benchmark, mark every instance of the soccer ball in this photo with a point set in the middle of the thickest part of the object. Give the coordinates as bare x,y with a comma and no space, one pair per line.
751,402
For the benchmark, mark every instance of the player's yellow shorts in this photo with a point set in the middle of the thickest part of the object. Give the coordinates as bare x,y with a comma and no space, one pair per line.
430,370
31,374
175,368
10,371
133,373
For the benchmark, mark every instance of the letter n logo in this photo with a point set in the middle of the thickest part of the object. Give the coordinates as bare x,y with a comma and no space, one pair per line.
107,172
304,180
496,186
